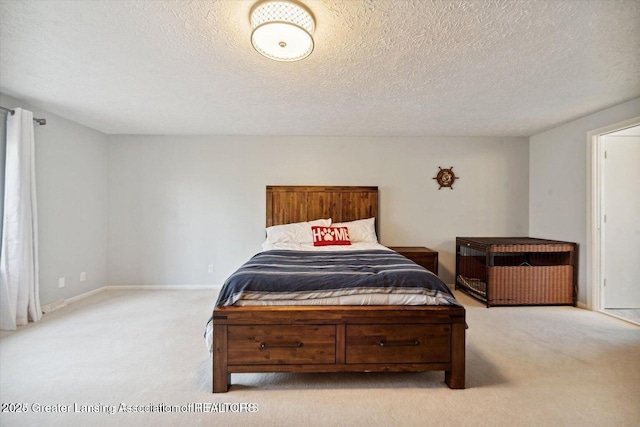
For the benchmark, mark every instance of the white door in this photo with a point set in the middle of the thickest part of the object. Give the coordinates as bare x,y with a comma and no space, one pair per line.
621,221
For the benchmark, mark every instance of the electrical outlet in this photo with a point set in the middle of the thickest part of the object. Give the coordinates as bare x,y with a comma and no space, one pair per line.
83,276
210,268
61,282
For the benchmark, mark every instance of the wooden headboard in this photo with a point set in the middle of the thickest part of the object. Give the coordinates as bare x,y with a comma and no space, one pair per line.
287,204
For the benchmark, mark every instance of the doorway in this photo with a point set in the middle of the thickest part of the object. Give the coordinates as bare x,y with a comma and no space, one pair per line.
617,222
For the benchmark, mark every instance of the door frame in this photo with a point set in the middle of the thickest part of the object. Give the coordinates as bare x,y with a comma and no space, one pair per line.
595,166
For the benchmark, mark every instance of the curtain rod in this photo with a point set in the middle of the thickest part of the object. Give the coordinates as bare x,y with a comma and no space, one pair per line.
41,122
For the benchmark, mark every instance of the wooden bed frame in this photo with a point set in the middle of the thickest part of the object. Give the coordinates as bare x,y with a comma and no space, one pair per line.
335,338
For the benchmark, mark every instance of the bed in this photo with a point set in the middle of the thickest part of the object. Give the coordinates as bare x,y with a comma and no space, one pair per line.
291,336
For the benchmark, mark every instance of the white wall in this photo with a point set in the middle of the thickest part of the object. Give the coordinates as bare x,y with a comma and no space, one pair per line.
174,204
71,180
179,203
559,180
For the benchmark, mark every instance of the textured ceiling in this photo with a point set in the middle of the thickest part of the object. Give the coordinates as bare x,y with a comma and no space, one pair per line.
392,68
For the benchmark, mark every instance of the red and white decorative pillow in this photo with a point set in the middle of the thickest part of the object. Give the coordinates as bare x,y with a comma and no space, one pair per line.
324,236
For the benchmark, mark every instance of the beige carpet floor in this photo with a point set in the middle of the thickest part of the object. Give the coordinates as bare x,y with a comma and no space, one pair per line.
526,366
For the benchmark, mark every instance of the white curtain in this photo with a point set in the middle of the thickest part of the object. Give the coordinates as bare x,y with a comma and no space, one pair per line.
19,299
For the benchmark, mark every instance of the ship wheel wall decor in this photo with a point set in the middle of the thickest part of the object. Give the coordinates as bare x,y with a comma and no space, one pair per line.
446,177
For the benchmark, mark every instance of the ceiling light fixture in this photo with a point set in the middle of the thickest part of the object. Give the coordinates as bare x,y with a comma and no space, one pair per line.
282,30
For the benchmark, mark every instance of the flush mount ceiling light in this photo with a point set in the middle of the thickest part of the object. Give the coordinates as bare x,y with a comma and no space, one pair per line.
282,30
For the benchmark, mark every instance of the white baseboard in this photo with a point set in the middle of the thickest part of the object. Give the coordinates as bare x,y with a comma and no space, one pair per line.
48,308
84,295
58,304
163,287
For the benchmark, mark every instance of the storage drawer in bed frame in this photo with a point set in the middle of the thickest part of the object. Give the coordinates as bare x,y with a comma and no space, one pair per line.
517,270
338,339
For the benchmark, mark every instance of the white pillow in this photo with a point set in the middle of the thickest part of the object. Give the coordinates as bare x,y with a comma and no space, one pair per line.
362,230
298,232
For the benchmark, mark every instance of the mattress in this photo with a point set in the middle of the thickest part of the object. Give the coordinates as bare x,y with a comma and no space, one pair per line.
336,277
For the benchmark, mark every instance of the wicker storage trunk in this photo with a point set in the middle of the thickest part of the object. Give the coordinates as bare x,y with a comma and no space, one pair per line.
517,270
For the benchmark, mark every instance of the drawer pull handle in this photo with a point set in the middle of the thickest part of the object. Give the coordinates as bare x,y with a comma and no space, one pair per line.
296,345
399,344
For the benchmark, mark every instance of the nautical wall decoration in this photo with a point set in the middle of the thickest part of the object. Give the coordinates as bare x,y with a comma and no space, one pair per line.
445,177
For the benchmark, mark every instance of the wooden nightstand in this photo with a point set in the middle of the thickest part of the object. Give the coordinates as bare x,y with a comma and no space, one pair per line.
428,258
